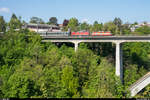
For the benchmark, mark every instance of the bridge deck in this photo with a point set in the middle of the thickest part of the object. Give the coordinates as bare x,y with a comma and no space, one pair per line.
98,38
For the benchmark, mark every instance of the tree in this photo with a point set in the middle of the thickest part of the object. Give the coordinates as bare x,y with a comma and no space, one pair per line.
22,84
82,65
73,24
118,23
14,23
136,53
126,29
36,20
84,26
65,22
2,24
14,16
53,21
102,82
69,81
145,22
135,23
130,76
110,26
97,27
144,30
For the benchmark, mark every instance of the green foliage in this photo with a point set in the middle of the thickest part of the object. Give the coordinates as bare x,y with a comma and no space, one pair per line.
69,81
137,53
144,30
96,27
53,21
36,20
12,50
50,82
118,23
102,49
14,23
136,63
67,51
130,76
20,87
84,26
102,82
73,23
82,61
22,83
110,26
126,29
2,24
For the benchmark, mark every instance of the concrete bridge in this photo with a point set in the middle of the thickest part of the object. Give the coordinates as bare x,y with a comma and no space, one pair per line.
140,84
118,40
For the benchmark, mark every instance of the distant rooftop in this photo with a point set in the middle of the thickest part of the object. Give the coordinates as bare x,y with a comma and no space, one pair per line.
42,25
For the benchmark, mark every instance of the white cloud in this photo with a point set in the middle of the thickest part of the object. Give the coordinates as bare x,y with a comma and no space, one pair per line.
4,10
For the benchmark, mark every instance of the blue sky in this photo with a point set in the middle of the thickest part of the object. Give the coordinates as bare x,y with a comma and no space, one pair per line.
84,10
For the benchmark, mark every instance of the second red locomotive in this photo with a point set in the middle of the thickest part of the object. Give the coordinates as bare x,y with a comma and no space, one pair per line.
85,33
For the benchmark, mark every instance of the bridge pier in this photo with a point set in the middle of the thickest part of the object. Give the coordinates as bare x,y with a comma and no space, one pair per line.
119,63
76,45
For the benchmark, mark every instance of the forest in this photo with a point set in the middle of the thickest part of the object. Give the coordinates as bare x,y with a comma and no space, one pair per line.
30,68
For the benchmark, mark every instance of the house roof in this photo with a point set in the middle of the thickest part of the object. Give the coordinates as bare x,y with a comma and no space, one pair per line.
42,25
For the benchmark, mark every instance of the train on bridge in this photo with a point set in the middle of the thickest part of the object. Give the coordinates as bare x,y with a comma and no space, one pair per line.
53,30
86,33
79,33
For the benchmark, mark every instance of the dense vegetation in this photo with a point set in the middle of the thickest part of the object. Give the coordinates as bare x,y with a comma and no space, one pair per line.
32,69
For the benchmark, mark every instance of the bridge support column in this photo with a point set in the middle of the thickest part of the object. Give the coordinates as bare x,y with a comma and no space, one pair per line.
119,63
76,45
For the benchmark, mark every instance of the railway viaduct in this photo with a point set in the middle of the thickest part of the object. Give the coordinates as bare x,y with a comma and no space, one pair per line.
118,40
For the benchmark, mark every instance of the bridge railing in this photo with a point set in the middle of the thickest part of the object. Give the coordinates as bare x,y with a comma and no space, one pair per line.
140,80
140,84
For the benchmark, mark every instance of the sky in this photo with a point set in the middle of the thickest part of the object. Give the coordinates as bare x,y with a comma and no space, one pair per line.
84,10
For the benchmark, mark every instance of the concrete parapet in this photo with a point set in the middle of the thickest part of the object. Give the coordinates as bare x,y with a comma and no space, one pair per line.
140,84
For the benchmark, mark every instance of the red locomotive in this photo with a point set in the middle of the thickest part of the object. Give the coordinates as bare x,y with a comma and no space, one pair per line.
102,33
85,33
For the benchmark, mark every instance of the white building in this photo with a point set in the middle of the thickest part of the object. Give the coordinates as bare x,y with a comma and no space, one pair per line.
42,28
139,25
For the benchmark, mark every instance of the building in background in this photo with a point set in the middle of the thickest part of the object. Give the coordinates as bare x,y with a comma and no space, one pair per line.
133,28
42,28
